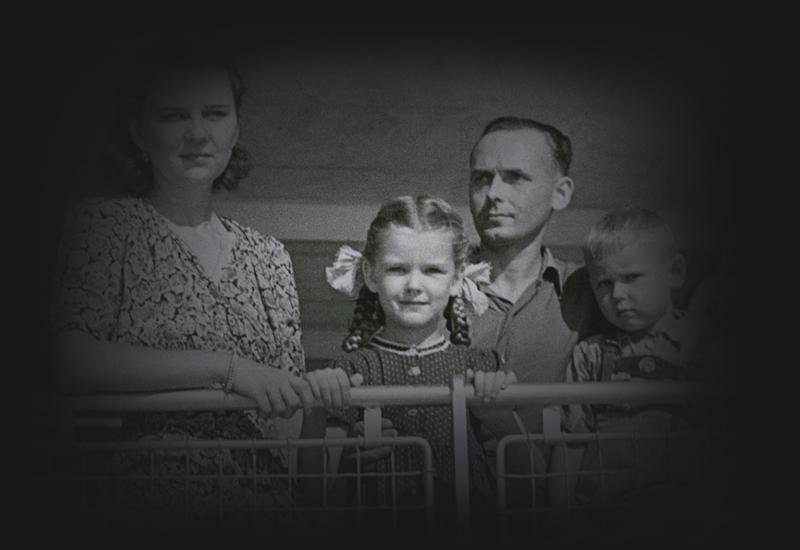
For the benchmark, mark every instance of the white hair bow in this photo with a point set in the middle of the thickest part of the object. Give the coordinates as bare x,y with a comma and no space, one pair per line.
345,276
345,273
474,274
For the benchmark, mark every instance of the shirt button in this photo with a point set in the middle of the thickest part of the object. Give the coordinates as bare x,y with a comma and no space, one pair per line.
412,412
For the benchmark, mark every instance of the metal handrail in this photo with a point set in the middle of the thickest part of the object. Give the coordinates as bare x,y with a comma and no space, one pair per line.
458,396
597,393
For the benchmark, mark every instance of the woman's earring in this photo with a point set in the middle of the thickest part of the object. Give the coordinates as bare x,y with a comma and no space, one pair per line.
145,158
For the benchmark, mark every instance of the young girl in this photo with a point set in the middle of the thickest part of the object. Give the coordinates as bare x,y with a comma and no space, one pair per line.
410,282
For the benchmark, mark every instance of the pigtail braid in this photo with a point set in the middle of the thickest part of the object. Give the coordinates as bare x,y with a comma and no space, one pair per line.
368,317
457,321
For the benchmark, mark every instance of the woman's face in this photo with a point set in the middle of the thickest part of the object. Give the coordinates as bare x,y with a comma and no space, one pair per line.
188,125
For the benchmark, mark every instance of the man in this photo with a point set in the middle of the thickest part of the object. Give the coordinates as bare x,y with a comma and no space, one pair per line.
539,306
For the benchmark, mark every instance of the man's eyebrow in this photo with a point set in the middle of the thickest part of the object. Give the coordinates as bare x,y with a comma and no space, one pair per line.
209,106
515,172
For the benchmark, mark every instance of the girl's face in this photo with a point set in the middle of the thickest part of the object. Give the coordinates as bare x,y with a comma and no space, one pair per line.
188,125
414,277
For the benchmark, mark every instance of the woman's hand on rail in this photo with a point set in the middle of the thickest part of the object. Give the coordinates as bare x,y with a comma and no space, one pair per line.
277,392
331,386
489,384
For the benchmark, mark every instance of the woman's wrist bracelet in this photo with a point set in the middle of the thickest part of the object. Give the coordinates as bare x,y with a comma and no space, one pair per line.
228,388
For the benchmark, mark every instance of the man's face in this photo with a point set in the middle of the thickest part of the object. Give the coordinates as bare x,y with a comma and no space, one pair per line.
514,186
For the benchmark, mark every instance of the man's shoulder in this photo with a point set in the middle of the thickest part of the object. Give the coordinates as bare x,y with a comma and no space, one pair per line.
572,276
578,305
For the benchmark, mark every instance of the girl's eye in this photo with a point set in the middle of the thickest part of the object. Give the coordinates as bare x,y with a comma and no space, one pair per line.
631,277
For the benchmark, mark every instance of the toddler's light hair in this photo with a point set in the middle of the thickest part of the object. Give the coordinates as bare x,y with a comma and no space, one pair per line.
619,228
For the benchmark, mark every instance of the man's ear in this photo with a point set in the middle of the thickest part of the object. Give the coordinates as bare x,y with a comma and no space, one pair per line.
562,193
677,270
368,273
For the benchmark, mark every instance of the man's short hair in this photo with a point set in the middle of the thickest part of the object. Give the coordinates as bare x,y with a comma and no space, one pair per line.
562,147
619,228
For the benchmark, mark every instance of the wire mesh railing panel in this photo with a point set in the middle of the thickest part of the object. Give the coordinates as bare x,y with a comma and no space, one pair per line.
223,486
615,487
632,482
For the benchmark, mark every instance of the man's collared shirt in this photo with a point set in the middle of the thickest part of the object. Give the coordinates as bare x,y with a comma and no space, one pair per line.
535,335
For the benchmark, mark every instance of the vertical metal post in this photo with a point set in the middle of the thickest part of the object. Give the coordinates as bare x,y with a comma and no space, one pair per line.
502,515
461,457
372,424
551,428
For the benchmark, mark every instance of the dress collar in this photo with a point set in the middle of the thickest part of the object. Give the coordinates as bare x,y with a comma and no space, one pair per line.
440,344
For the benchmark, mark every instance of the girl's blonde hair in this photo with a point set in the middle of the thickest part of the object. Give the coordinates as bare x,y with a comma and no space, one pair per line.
421,213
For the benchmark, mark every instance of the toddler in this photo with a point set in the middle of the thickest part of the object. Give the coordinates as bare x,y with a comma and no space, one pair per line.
633,266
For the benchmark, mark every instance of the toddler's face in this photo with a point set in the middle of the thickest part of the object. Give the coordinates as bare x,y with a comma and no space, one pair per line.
633,285
414,277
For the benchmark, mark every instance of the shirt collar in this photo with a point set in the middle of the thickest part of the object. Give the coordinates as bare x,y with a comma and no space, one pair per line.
669,326
551,271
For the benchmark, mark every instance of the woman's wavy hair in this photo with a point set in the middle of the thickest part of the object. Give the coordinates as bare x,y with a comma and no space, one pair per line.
421,213
124,164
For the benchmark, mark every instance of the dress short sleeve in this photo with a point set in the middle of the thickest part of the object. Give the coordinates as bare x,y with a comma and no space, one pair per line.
88,275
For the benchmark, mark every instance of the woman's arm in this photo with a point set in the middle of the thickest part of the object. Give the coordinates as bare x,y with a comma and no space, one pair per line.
84,364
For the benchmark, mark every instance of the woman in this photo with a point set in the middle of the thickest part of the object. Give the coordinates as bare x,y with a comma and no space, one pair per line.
154,291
